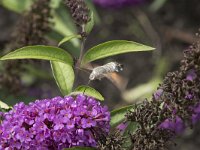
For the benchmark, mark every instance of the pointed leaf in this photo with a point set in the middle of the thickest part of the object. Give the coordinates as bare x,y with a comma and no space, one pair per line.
113,48
4,108
63,24
40,52
118,115
90,24
88,91
93,9
80,148
4,105
64,76
68,38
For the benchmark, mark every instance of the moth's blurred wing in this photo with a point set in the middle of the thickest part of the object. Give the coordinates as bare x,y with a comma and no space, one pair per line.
119,81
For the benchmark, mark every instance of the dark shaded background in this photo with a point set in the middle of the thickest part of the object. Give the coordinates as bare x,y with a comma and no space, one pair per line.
171,29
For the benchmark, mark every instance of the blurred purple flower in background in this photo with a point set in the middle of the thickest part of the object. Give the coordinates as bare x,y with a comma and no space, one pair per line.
117,3
54,124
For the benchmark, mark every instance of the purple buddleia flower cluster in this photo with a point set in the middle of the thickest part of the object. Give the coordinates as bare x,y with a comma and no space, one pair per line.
177,125
173,107
117,3
54,124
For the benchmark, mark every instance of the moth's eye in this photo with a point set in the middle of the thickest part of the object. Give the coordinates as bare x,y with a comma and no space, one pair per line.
119,68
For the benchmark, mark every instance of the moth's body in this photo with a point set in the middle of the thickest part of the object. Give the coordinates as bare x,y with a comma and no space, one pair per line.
101,71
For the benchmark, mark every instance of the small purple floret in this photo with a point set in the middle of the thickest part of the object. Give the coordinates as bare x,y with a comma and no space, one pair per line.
54,124
157,95
175,125
122,127
191,75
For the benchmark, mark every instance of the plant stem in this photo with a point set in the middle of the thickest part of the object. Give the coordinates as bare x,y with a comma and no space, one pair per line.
82,46
83,39
81,51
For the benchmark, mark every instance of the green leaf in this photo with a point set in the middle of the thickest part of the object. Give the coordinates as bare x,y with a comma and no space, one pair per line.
80,148
63,27
63,24
131,128
156,5
92,8
69,46
4,105
64,76
118,115
141,91
40,52
17,6
55,3
113,48
68,38
90,24
88,91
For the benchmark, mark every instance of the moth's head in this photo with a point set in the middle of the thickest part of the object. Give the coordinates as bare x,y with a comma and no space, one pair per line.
119,67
